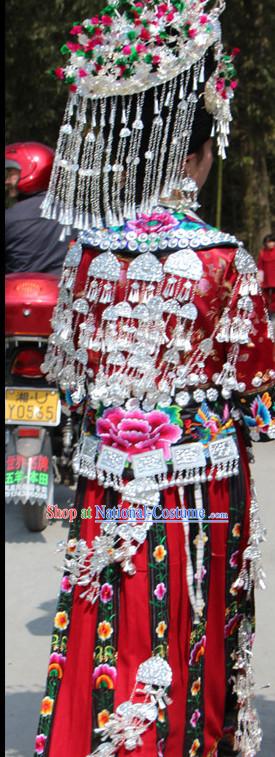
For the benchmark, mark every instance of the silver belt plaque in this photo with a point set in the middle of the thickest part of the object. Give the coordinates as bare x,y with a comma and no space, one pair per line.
223,451
111,460
149,464
188,456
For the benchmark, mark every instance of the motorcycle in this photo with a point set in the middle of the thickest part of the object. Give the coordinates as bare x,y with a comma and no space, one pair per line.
41,434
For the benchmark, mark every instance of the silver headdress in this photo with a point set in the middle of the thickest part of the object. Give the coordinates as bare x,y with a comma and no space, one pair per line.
132,47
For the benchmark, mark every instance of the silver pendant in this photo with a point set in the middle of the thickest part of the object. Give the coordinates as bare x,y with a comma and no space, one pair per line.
184,263
105,266
149,464
145,268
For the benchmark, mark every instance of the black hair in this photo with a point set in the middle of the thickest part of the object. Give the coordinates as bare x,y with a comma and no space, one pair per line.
268,238
201,130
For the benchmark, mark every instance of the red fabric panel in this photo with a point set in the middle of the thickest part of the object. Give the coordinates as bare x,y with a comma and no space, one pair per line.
214,672
71,729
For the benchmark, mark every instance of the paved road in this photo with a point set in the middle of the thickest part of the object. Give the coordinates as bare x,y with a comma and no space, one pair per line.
32,588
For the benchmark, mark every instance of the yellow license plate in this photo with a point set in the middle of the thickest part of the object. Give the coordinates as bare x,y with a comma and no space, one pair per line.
38,407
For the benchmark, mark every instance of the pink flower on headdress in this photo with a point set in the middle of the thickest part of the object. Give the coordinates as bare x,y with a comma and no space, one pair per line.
203,18
73,46
76,30
82,72
220,85
192,33
59,72
97,40
134,431
140,47
106,20
155,222
162,8
145,34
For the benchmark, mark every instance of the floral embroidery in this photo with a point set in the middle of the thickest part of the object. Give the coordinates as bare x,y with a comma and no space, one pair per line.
103,718
160,591
160,746
159,603
135,431
46,706
232,625
160,629
195,718
57,659
236,530
66,585
104,676
234,559
159,553
161,715
194,748
106,593
196,687
61,620
156,222
40,743
197,651
104,630
56,665
235,604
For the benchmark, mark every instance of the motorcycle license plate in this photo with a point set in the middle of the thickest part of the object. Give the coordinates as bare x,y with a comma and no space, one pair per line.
35,407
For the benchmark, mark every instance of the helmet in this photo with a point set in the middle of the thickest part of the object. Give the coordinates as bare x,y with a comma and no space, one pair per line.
34,160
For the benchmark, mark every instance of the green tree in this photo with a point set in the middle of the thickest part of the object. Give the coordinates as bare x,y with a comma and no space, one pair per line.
35,32
249,172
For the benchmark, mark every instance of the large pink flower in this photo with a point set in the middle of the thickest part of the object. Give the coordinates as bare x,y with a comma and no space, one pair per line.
134,431
156,222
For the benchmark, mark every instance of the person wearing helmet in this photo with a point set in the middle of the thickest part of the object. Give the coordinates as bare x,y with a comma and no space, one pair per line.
32,243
